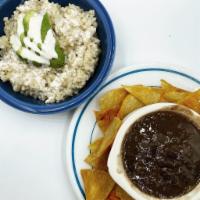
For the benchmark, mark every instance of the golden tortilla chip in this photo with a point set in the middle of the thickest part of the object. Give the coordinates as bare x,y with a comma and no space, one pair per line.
162,99
147,95
192,102
167,86
129,104
197,94
122,194
93,160
95,145
98,184
103,125
109,136
106,114
174,96
105,117
112,99
112,195
172,93
98,162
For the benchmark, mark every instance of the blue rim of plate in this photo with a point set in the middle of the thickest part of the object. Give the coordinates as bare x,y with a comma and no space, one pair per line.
76,101
88,102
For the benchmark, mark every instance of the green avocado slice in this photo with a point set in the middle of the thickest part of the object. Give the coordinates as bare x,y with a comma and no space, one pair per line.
46,25
37,64
22,36
60,61
26,21
20,56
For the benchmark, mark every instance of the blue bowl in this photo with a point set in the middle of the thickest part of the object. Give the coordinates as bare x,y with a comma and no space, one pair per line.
106,35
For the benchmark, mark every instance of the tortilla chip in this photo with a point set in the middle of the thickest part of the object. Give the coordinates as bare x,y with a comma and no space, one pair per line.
197,94
105,117
109,136
174,96
172,93
112,195
112,99
98,162
98,184
106,114
192,102
129,104
122,194
93,160
103,125
147,95
95,145
167,86
162,99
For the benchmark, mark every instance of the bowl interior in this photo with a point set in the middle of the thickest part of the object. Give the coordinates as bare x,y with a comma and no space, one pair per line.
6,9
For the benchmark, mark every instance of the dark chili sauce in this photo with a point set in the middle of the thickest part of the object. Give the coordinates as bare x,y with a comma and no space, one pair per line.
161,154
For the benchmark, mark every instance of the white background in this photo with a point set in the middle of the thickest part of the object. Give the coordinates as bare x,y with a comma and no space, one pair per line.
32,147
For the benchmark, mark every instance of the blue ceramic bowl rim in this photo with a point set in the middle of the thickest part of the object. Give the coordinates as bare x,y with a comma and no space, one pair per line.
80,98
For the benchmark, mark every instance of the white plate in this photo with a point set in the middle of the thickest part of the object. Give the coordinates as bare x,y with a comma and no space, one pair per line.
83,127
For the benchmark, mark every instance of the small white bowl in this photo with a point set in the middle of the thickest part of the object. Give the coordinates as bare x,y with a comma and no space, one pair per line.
115,165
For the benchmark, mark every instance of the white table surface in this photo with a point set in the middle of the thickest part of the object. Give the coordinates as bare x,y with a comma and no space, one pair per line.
32,147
